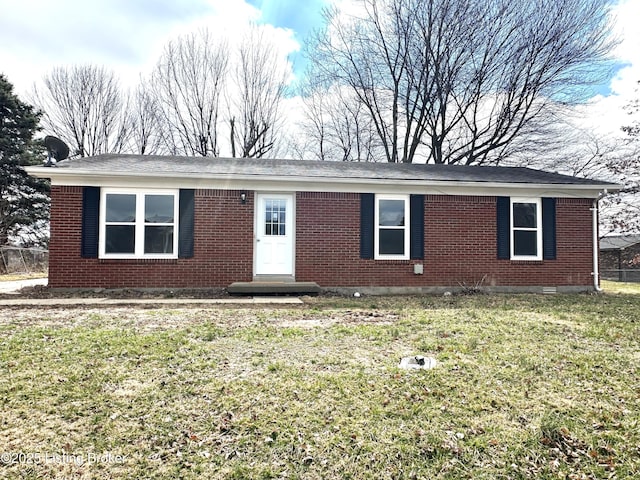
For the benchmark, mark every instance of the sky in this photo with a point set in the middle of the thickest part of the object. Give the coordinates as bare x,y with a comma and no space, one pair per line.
606,112
128,36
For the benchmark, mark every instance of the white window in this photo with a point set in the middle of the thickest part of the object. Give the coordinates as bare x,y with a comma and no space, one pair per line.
392,227
526,229
136,224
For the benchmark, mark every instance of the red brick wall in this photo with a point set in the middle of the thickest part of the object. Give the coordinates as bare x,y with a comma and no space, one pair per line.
223,247
460,246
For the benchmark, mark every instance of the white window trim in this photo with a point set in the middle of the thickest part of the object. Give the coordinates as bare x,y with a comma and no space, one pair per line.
376,220
538,202
139,224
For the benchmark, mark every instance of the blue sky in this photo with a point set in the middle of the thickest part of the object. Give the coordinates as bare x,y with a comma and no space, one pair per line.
127,36
302,17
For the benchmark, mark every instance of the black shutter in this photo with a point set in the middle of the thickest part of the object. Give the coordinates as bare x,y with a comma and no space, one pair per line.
503,220
416,227
90,222
185,232
367,208
549,228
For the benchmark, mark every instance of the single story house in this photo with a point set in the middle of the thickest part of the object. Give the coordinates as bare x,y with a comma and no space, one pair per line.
125,221
620,257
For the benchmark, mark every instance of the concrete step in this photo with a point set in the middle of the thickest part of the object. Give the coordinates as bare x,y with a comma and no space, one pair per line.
263,288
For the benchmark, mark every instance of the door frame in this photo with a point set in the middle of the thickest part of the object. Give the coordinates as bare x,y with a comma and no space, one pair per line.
257,225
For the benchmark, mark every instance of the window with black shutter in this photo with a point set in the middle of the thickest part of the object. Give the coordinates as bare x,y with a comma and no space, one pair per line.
391,226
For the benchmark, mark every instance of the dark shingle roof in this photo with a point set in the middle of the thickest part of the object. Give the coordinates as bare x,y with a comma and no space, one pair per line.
155,165
618,242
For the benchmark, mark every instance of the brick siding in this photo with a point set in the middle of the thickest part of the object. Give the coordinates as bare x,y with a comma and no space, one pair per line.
223,247
460,246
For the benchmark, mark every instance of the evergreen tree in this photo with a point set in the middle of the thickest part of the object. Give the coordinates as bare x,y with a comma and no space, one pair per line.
24,200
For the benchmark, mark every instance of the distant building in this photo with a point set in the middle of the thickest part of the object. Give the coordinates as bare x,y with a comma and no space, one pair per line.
620,258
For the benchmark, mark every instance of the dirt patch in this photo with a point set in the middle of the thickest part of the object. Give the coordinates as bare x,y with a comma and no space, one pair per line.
342,318
43,291
150,318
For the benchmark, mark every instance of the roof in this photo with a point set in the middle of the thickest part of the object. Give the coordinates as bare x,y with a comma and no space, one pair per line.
618,242
198,170
153,164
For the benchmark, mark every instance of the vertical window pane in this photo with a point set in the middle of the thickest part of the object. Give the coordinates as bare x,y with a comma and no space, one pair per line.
391,213
282,216
268,218
525,243
158,239
391,242
524,215
158,209
120,239
121,208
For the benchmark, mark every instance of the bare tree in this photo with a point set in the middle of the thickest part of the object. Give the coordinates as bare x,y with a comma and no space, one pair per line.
617,159
622,210
462,82
144,119
84,106
259,83
187,86
573,149
338,126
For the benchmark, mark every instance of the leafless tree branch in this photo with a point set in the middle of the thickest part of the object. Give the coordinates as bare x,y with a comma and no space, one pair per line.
83,105
462,82
258,85
187,86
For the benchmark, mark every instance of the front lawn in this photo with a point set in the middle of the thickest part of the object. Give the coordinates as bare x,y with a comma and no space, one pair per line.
621,287
525,387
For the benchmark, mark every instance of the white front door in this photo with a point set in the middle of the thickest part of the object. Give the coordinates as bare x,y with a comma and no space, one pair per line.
274,234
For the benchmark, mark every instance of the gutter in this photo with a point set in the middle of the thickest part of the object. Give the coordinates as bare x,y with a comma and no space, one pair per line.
596,243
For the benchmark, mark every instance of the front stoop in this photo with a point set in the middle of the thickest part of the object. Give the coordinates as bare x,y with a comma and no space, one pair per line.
263,288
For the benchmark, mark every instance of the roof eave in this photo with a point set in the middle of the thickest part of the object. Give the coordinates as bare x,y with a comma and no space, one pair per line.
81,177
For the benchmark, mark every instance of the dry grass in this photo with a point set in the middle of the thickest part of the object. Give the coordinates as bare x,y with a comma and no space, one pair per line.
621,287
526,387
12,277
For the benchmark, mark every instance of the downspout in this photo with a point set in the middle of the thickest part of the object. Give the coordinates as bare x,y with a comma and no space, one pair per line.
596,247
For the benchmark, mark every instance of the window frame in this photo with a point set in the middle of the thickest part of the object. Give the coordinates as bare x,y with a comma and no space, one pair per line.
139,224
405,227
538,229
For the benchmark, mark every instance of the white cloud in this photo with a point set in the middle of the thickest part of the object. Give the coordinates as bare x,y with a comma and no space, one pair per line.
122,35
626,15
607,114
